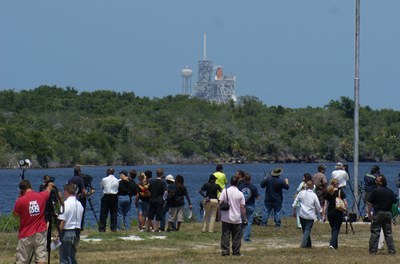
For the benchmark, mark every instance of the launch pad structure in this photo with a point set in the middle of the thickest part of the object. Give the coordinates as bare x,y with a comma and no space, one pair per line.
212,84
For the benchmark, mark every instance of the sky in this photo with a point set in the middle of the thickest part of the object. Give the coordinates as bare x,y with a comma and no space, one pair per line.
285,52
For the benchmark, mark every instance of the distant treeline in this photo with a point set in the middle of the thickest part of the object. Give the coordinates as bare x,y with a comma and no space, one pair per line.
55,126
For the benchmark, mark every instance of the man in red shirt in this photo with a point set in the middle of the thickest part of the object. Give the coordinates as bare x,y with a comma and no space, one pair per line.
29,208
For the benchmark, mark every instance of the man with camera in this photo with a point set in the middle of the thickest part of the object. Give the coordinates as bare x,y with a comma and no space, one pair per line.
53,204
29,208
79,181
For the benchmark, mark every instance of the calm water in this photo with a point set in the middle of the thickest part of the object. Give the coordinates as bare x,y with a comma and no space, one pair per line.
195,176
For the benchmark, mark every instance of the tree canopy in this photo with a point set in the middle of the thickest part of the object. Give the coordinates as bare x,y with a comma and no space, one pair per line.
56,126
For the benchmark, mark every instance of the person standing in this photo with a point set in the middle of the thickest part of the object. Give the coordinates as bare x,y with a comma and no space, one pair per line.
240,174
29,208
232,219
381,201
273,185
250,193
370,182
109,201
170,185
126,189
220,176
341,175
176,195
209,191
320,182
334,216
142,202
70,225
78,180
302,186
309,206
157,188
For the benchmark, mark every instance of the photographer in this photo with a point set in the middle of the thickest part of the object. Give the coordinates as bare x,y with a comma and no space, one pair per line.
55,201
79,180
32,231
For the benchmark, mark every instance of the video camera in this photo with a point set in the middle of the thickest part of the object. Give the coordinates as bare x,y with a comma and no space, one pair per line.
87,180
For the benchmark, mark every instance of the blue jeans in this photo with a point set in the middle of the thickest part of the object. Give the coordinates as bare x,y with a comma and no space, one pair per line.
69,242
249,214
124,208
306,225
268,208
165,211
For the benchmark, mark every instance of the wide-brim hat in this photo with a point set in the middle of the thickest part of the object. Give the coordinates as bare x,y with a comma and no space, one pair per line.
170,178
276,172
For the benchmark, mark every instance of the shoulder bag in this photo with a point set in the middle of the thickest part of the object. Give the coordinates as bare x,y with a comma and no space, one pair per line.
224,205
339,203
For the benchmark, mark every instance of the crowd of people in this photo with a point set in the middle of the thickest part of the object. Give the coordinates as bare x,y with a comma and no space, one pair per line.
160,203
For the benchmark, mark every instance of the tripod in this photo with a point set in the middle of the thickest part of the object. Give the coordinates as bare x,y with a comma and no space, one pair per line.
348,221
92,209
89,199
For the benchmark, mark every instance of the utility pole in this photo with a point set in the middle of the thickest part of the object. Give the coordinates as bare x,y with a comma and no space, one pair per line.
356,103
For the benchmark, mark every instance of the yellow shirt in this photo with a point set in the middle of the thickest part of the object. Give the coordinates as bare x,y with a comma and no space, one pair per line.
221,180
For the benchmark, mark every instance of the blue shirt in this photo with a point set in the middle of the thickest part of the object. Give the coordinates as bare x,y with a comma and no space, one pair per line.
273,189
250,192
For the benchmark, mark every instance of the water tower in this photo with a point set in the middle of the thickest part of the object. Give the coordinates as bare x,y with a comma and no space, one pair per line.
186,80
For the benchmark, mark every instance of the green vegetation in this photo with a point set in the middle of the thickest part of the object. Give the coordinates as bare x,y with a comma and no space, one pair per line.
60,127
190,245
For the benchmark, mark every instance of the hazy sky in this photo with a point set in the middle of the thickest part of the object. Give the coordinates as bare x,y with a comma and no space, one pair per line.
285,52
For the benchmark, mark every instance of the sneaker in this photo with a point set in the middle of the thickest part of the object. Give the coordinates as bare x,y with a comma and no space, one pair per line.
331,247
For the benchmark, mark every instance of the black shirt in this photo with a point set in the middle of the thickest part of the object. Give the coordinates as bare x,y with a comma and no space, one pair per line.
382,199
157,188
332,200
211,189
127,188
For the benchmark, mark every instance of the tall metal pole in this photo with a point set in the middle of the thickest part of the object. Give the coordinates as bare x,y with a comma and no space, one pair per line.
356,102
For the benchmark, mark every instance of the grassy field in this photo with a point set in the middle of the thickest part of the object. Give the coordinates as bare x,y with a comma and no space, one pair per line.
190,245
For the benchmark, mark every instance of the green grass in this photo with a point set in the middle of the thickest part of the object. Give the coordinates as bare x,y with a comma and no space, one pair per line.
190,245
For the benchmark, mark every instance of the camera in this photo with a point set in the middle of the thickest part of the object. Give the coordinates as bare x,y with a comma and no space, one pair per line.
25,163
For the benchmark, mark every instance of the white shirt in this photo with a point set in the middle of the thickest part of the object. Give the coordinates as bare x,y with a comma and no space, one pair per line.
309,204
109,184
341,176
73,211
236,200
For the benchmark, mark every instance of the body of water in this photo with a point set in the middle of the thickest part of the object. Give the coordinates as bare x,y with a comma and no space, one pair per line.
195,176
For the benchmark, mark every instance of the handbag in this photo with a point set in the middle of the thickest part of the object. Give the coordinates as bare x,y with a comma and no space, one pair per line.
224,205
339,204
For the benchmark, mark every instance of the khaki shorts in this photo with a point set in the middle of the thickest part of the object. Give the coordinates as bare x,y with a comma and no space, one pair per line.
34,244
176,214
